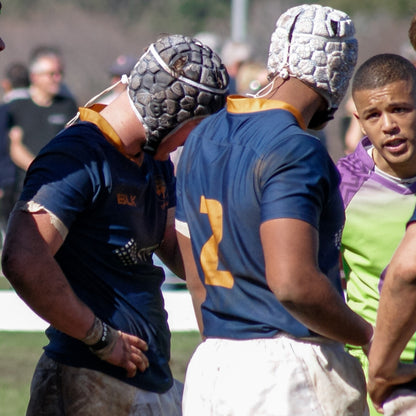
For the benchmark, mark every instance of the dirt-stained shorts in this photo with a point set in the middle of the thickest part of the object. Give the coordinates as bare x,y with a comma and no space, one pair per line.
278,376
58,389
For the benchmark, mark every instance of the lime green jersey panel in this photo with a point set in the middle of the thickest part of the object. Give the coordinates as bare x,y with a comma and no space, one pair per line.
377,210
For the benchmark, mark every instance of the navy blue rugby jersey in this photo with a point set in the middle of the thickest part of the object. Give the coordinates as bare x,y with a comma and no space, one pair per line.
247,164
115,213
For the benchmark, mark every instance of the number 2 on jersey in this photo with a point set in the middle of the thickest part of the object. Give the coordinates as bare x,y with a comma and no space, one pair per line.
209,252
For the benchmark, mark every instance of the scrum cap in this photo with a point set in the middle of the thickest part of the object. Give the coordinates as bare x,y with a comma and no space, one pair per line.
316,45
176,79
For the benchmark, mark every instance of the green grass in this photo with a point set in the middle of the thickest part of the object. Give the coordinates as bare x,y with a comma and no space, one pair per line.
20,351
183,345
4,283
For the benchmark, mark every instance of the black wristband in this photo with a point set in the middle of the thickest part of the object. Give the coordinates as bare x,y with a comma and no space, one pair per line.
104,340
94,333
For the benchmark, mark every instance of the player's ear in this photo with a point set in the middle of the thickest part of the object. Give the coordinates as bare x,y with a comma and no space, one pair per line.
357,117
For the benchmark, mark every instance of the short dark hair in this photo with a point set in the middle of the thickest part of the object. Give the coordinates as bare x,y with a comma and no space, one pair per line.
18,75
381,70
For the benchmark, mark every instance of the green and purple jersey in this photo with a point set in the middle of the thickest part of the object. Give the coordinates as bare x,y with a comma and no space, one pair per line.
377,208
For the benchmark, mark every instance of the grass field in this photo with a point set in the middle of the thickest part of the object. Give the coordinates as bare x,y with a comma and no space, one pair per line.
4,283
20,351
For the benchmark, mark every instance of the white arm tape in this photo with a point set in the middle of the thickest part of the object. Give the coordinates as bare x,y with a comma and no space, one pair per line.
182,228
33,207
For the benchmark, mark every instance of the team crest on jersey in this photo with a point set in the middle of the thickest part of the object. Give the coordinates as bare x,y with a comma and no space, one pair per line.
130,255
161,192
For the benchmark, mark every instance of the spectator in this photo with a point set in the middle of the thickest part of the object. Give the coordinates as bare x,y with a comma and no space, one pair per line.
259,220
37,119
15,85
80,242
378,182
53,51
121,66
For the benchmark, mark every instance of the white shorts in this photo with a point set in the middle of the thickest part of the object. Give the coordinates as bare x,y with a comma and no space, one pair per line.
280,376
402,402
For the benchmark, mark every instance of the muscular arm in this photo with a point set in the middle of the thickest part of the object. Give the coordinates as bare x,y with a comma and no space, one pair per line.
28,263
395,323
290,249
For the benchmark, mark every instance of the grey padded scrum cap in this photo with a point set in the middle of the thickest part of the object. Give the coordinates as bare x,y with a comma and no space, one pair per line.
316,45
177,78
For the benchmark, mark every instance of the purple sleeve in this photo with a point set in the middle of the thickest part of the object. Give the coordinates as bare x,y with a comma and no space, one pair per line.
354,169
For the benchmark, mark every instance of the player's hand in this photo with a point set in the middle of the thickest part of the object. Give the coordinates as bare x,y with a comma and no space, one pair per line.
378,392
129,353
380,389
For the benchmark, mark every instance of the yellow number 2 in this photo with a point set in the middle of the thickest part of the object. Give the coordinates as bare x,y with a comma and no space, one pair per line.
209,252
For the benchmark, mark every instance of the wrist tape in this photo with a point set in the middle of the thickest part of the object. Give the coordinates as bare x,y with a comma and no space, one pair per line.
101,338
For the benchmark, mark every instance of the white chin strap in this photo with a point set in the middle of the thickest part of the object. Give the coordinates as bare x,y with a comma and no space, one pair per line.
133,107
123,80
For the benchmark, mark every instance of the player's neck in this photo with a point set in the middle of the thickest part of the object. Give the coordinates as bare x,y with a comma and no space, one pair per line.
296,93
127,126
